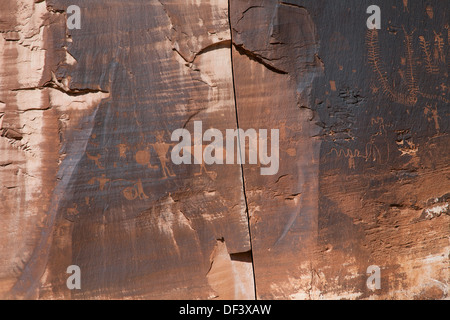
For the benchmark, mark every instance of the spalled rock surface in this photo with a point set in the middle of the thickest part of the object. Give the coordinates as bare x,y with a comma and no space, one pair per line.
86,176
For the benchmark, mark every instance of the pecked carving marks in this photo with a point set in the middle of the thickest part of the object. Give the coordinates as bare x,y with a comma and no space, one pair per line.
434,64
275,62
378,68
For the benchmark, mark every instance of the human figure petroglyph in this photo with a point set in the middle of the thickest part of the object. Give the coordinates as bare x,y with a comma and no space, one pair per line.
433,115
162,149
211,174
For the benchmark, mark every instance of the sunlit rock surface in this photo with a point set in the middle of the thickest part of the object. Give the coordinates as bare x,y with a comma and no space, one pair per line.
87,179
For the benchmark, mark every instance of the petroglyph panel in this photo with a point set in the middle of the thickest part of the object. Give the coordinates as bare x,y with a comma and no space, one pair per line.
87,175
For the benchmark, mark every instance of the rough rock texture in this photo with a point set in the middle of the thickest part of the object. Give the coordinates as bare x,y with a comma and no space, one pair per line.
365,156
86,179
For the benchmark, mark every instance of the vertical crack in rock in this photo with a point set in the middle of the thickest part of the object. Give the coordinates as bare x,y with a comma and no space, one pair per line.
239,153
276,62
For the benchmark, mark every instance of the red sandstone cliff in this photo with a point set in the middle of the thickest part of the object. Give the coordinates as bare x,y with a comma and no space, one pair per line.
86,176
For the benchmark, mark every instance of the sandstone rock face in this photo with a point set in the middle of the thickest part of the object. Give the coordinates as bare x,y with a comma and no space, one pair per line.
87,178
